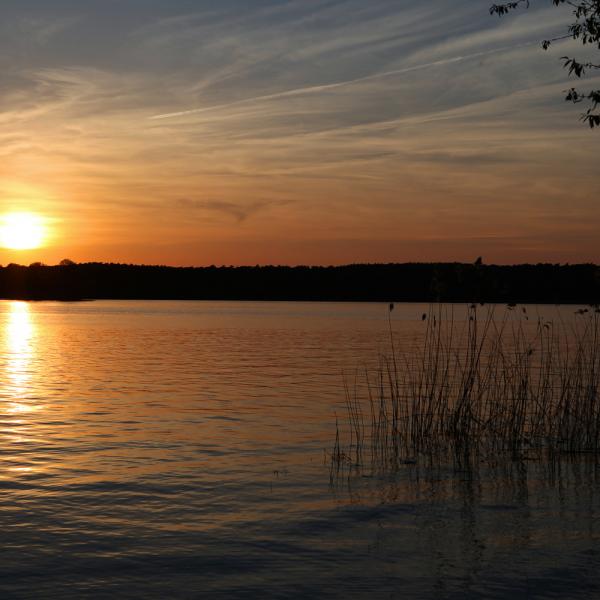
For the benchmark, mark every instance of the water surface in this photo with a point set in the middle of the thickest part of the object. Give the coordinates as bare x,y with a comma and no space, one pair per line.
178,449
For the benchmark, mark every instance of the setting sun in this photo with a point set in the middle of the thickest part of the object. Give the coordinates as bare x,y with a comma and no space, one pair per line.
21,231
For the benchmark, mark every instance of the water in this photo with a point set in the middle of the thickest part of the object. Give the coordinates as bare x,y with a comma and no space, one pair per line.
176,449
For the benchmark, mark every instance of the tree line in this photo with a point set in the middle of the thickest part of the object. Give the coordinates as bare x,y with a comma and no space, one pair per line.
411,282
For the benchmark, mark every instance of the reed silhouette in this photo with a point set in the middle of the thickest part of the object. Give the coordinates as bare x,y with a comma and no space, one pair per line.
494,383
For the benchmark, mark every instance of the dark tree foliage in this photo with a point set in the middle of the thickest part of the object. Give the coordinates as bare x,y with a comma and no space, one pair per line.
446,282
586,29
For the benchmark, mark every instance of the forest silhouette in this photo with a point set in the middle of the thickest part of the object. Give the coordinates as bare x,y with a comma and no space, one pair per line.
411,282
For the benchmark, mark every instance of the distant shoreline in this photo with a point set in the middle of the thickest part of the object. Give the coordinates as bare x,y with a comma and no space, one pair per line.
408,282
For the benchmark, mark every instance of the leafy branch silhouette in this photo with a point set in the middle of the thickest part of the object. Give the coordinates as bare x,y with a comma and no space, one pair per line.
586,29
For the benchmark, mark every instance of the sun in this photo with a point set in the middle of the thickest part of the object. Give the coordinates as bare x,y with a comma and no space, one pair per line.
22,231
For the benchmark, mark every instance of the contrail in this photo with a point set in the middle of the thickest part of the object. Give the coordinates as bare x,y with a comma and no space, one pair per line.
338,84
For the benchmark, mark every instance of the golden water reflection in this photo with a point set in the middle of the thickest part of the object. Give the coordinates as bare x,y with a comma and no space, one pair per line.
19,350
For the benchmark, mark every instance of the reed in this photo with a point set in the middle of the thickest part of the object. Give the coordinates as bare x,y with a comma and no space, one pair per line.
497,381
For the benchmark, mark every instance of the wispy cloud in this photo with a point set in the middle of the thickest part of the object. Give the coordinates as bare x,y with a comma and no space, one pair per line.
315,89
239,212
338,120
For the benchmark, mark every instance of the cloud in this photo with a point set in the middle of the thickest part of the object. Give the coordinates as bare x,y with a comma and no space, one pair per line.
316,89
240,212
355,120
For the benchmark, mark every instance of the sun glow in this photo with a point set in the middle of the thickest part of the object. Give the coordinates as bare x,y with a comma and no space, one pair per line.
22,231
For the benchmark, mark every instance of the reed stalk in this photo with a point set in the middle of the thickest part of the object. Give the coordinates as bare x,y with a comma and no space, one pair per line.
481,385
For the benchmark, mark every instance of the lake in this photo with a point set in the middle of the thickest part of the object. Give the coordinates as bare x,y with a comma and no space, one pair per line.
180,450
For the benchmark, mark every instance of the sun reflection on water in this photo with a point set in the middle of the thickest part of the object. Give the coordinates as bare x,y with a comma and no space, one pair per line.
19,351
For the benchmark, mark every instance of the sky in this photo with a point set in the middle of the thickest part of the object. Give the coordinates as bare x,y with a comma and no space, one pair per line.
194,132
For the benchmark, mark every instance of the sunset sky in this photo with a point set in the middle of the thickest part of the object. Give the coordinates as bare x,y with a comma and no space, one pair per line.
194,132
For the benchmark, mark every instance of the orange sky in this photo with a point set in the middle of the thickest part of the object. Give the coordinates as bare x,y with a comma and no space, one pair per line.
286,133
